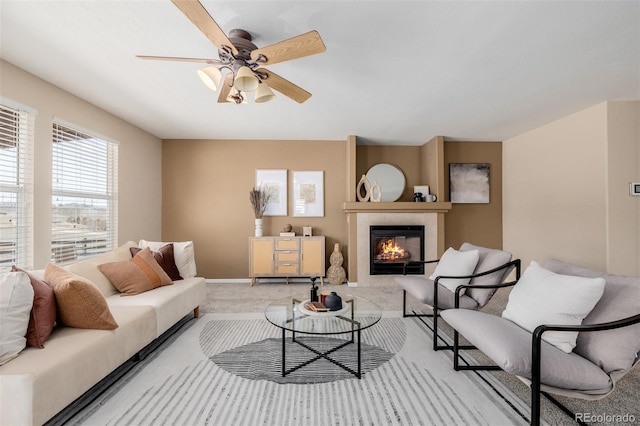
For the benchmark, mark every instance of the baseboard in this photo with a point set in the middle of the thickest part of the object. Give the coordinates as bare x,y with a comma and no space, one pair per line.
279,280
228,281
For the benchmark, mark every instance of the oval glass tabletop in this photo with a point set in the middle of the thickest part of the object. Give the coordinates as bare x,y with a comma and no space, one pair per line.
356,314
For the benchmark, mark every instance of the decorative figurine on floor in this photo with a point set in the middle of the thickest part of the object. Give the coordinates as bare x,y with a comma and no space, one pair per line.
314,290
336,273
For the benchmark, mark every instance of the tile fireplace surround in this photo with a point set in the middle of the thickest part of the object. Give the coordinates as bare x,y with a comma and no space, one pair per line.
363,215
365,220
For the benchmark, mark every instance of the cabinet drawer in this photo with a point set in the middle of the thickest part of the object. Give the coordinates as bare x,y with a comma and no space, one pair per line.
287,244
287,268
287,256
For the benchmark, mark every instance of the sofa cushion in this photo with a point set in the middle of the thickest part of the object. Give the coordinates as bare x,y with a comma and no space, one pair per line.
141,273
165,258
509,346
43,312
73,361
80,303
544,297
16,299
455,263
488,259
183,252
171,303
89,268
422,289
621,299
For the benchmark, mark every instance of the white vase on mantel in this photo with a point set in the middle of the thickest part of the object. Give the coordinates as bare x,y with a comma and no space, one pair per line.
258,228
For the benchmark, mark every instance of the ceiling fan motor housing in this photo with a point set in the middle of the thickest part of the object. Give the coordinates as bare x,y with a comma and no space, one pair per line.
241,39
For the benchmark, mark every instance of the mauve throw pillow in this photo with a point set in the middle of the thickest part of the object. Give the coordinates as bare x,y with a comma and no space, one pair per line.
79,301
165,258
43,312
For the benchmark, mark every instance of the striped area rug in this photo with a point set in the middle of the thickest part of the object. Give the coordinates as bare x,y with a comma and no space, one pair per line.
223,370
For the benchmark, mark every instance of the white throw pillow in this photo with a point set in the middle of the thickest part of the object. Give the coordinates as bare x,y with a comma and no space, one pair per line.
183,254
16,300
544,297
456,263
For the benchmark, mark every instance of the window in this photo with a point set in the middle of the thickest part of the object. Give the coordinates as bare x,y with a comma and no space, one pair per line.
16,188
85,182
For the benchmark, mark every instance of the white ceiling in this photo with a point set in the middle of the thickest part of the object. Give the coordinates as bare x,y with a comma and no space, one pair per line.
395,72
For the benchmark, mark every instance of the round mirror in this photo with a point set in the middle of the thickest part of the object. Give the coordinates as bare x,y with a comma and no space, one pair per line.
390,179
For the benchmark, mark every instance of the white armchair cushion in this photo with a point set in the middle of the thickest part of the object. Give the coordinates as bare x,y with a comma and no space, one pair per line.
183,253
544,297
455,263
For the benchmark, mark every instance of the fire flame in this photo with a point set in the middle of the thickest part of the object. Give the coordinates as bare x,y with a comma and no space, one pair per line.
390,247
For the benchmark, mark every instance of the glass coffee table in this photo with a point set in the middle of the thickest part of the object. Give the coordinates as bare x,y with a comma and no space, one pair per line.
356,314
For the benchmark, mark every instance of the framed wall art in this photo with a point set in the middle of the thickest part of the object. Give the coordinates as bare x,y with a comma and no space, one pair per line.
274,183
308,194
469,183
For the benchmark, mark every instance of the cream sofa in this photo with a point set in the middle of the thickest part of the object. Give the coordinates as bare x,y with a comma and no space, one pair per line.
39,383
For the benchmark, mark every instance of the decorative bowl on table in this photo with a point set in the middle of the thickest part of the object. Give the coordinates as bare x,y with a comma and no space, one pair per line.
306,311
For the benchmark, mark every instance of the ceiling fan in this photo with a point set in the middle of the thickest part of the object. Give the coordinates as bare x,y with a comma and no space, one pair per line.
243,61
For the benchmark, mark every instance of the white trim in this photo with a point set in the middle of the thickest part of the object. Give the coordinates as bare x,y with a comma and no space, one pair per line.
17,105
280,280
80,129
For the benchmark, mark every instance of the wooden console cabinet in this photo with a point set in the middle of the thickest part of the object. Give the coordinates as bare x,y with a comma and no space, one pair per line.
286,257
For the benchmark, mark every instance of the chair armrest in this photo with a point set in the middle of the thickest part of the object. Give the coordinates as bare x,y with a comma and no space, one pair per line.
514,263
463,286
407,263
624,322
536,340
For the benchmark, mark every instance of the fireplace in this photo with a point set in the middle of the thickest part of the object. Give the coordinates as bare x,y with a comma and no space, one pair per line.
391,246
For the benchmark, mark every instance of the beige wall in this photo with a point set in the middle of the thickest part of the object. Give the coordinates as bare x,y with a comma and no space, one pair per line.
406,158
623,167
479,224
563,185
206,187
139,157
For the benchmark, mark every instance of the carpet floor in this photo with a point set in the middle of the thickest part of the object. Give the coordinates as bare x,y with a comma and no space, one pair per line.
224,369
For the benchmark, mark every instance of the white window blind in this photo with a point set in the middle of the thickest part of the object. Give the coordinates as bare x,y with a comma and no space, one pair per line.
16,188
85,182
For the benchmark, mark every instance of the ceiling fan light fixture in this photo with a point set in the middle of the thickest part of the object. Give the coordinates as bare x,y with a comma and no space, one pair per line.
245,80
237,97
211,77
264,93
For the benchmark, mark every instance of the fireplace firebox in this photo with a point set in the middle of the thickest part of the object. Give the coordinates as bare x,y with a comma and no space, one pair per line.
391,246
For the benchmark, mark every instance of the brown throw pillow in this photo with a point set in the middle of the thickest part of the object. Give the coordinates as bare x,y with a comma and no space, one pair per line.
140,274
165,258
43,311
80,303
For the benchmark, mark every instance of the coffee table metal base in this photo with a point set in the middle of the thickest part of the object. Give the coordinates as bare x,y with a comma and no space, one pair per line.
355,338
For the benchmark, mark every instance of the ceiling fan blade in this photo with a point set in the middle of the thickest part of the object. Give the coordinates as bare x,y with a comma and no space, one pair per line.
284,86
174,58
297,47
225,88
197,14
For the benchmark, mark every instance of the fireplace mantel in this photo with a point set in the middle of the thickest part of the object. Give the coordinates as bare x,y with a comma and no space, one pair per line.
396,207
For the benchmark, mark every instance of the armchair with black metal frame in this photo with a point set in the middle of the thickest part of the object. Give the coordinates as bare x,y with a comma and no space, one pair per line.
590,371
494,266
